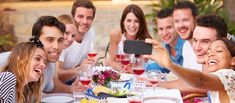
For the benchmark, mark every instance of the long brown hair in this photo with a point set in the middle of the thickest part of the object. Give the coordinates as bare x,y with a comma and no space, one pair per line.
143,33
19,64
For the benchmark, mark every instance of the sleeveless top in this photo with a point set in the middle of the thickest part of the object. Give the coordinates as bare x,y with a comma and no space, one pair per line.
121,45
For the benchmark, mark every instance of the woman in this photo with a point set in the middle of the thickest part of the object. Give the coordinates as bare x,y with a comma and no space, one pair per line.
71,29
133,27
220,60
22,77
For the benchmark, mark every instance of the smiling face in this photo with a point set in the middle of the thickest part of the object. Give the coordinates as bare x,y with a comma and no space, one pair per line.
84,17
131,24
53,41
202,39
166,30
70,34
218,56
37,65
184,23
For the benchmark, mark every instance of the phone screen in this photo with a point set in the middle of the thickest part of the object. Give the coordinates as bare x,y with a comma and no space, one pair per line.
137,47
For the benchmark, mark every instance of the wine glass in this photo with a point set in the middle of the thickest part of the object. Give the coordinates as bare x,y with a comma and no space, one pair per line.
93,51
85,77
125,60
154,77
138,66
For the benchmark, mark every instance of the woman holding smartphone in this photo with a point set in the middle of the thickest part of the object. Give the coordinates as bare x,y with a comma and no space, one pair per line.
220,60
132,27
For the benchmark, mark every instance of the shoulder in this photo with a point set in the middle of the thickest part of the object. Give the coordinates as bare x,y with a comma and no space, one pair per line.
115,34
7,75
226,76
91,31
4,57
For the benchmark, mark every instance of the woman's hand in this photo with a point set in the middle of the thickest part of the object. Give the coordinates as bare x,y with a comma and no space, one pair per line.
161,56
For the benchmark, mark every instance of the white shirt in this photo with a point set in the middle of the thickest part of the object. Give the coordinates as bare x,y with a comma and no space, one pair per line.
77,52
190,57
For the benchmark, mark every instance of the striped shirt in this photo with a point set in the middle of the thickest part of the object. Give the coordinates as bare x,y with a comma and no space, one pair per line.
7,87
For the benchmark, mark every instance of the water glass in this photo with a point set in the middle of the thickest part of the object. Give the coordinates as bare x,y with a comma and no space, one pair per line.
77,96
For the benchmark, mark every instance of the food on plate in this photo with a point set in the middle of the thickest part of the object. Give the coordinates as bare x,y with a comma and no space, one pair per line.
119,92
99,89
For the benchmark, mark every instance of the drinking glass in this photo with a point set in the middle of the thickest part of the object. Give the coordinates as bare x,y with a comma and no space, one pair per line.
125,60
77,96
93,51
154,77
85,77
135,94
138,66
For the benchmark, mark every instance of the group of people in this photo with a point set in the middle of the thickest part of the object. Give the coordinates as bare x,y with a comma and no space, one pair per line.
195,48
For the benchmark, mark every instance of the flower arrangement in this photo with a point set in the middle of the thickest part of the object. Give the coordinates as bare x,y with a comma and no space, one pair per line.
104,77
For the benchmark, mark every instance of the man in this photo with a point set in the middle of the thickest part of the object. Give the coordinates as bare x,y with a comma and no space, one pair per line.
83,11
184,15
169,37
50,32
208,28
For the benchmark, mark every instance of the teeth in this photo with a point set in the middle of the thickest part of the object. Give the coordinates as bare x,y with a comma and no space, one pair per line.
53,53
212,62
38,71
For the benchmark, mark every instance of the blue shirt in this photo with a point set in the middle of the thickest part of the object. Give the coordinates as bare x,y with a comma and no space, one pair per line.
178,59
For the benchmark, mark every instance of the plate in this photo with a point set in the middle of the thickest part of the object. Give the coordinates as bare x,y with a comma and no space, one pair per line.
126,77
57,99
160,100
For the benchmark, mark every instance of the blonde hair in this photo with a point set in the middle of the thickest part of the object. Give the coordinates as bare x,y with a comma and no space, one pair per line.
19,64
67,19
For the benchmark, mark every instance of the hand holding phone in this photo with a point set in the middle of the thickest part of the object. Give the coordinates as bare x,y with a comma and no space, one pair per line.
137,47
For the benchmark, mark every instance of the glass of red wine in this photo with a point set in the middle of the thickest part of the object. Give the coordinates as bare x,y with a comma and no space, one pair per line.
138,66
125,60
154,77
85,77
93,51
134,96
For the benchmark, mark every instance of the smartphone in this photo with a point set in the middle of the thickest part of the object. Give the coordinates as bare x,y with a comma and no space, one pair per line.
137,47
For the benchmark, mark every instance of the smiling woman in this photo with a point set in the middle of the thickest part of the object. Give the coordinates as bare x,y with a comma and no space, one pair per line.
21,78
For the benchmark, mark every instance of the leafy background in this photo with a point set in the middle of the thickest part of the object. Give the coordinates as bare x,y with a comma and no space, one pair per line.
204,7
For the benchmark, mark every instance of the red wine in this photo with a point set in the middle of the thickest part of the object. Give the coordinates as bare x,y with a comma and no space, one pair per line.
125,62
92,54
153,82
134,101
138,71
85,81
120,56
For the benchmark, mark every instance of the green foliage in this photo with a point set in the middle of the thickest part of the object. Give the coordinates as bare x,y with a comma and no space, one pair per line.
6,39
204,7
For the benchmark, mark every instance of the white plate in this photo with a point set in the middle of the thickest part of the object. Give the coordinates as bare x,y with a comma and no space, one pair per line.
57,99
125,77
160,100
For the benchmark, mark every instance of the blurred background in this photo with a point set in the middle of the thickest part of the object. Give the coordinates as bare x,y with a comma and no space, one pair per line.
18,16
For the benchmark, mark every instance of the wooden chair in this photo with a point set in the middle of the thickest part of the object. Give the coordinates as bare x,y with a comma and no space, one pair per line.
191,96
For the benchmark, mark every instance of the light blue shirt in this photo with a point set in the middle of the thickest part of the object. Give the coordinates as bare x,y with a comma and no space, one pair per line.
178,59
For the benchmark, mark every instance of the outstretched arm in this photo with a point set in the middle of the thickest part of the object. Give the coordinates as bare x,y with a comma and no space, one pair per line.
194,78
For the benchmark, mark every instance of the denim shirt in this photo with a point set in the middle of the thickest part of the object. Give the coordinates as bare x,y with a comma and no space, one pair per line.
178,59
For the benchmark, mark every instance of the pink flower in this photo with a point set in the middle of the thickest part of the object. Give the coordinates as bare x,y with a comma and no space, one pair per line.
104,77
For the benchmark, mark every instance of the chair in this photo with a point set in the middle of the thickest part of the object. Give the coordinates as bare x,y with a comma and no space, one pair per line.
191,96
99,62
